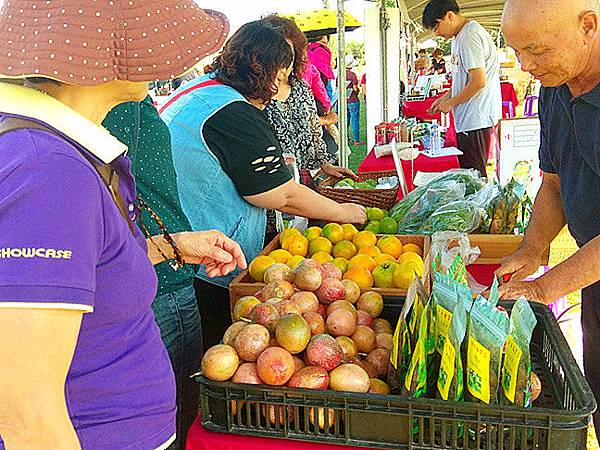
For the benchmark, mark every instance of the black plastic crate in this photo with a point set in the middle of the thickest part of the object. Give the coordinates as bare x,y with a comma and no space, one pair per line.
558,419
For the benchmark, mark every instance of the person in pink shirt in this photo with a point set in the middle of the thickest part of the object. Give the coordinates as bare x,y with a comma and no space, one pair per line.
312,77
319,54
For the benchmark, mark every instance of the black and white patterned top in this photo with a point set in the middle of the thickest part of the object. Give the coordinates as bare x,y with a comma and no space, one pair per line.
297,127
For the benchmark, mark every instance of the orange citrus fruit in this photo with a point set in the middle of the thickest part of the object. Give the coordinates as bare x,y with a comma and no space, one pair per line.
390,245
280,255
370,250
406,272
349,231
294,261
259,265
410,256
322,257
412,248
286,234
344,249
312,233
334,232
340,263
320,244
364,239
361,276
296,245
383,258
364,261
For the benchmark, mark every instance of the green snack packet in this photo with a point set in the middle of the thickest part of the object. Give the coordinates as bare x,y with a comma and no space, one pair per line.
516,367
415,380
488,330
446,294
494,294
450,378
458,271
401,342
419,304
444,301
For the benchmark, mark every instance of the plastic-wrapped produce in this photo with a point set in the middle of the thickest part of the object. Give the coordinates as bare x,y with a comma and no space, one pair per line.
437,194
458,216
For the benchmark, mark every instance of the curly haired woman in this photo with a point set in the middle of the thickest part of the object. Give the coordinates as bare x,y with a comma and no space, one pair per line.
229,164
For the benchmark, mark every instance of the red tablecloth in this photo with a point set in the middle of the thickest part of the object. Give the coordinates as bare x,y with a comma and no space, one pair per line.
421,164
418,109
199,438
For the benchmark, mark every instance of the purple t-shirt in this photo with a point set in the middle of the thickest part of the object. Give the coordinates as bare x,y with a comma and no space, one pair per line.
63,241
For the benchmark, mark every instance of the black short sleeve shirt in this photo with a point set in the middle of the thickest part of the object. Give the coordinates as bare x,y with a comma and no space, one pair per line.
242,139
570,148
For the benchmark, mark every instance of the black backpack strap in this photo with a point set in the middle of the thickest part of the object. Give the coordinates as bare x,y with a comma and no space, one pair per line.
107,173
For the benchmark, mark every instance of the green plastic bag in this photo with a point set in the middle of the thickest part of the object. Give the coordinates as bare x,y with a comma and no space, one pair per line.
516,367
401,341
415,380
444,299
487,333
460,215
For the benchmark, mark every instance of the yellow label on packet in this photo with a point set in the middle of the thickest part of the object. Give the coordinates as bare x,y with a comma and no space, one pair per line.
512,357
478,371
443,318
446,369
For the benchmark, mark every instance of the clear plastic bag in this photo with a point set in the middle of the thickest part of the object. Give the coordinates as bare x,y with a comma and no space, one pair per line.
487,333
432,198
516,366
447,245
460,215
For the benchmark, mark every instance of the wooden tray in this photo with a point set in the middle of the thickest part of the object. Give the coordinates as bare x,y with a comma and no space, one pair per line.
243,284
495,247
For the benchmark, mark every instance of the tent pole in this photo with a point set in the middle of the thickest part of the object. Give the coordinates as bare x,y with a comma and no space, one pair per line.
342,101
400,55
383,26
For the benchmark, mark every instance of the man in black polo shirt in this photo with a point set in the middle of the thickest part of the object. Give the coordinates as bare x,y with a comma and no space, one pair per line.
558,41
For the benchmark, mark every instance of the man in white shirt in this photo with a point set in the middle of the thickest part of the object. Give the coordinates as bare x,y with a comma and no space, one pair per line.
475,98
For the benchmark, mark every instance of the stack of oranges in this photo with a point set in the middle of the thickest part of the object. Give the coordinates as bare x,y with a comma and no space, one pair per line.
362,257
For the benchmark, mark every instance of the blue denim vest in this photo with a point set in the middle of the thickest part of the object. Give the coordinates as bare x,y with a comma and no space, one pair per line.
208,196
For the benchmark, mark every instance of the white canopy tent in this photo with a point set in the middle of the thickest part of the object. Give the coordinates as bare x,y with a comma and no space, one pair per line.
486,12
391,36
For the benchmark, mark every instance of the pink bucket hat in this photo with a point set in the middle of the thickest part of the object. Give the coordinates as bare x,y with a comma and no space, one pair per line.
88,42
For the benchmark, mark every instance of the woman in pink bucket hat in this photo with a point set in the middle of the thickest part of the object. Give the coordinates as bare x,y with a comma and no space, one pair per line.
83,364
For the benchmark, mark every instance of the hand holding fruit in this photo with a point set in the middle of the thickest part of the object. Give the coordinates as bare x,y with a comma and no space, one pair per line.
354,213
220,254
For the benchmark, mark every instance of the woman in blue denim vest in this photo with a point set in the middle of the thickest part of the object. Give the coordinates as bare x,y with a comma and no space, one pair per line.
229,164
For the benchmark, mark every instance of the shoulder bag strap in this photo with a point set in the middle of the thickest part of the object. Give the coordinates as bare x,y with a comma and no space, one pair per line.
107,173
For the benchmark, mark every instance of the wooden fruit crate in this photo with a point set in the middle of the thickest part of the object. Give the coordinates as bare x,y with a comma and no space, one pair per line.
243,284
494,247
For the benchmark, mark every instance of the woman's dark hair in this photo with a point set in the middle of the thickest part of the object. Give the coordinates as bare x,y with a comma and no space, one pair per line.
251,59
435,11
438,53
315,36
296,37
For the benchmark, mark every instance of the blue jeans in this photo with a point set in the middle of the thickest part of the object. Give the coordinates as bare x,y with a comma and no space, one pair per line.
178,318
354,119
